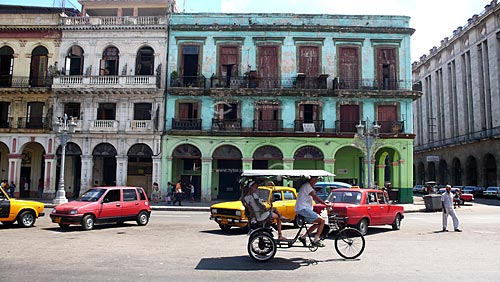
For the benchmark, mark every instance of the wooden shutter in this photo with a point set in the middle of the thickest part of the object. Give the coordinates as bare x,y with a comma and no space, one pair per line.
228,57
349,67
387,115
349,117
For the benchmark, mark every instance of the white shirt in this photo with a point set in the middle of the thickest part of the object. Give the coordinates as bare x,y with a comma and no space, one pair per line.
447,199
260,210
304,200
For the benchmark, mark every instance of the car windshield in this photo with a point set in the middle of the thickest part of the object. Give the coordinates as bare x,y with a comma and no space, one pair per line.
91,195
350,197
492,189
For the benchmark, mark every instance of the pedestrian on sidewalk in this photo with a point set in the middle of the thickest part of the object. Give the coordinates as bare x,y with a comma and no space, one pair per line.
447,203
12,188
191,192
178,194
40,188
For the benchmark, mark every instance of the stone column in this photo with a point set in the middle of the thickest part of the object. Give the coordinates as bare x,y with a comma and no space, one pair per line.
15,171
121,170
246,163
329,165
86,177
206,179
49,177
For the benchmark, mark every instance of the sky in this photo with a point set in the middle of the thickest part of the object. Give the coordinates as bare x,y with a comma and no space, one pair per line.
433,20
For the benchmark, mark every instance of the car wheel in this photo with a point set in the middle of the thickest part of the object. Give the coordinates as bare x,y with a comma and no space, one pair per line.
63,226
26,219
396,225
225,227
143,218
363,226
88,222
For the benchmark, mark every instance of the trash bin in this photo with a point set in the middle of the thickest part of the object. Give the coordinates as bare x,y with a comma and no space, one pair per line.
432,202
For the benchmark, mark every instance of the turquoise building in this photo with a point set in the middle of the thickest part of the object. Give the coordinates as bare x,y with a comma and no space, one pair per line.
272,91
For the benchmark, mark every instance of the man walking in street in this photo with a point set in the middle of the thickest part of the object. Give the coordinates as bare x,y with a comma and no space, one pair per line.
447,203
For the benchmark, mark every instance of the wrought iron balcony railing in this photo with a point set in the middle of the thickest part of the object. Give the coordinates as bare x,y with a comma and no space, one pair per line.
32,123
268,125
370,84
309,126
346,126
394,127
188,81
8,81
226,124
295,82
186,124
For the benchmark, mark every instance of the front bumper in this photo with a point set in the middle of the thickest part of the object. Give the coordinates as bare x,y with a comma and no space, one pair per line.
222,220
66,219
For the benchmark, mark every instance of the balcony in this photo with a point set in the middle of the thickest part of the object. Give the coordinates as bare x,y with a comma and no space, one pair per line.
267,125
104,125
186,124
141,125
391,127
114,21
8,81
32,123
188,81
346,126
370,84
309,126
104,82
226,124
296,82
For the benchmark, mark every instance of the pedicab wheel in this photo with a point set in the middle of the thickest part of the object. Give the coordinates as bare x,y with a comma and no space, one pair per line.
261,247
349,243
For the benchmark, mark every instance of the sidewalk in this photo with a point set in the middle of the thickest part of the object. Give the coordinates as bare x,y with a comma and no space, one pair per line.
417,206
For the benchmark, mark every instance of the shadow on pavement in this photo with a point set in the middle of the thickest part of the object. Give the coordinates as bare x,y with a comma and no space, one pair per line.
246,263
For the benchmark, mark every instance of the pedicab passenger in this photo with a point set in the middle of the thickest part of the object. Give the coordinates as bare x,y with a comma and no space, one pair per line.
256,209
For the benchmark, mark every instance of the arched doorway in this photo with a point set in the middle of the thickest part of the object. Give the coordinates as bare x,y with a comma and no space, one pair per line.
4,162
186,167
32,169
104,172
431,171
6,66
145,61
72,170
421,173
110,61
490,171
228,165
471,171
267,157
308,157
140,167
38,67
443,173
74,61
456,172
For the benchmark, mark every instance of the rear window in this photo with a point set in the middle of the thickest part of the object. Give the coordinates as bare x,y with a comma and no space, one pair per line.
344,197
129,195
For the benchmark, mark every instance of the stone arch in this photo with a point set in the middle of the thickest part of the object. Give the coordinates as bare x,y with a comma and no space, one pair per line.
443,172
421,173
456,173
267,157
186,167
308,157
104,170
39,66
145,61
140,166
471,171
490,170
227,161
73,169
431,171
349,165
73,64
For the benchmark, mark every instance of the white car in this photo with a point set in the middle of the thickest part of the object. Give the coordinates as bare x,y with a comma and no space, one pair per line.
491,191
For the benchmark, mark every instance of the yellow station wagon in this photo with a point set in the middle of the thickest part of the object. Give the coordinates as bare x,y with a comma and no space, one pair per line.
229,214
24,212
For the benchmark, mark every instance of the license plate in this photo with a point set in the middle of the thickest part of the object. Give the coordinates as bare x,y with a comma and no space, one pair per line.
224,221
57,219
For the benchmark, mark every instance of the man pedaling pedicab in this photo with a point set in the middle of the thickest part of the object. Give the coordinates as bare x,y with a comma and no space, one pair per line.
304,207
258,212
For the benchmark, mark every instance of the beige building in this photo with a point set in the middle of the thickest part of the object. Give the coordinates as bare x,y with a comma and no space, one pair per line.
29,49
457,120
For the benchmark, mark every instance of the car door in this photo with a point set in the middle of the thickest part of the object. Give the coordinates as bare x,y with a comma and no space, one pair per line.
4,206
373,208
111,206
289,200
385,216
130,204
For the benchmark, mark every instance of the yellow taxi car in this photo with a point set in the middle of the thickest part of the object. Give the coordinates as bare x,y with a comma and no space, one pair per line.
232,214
24,212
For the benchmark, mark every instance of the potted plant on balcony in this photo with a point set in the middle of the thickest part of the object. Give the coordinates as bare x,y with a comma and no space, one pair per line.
174,79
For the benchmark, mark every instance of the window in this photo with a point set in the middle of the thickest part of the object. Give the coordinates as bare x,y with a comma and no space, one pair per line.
277,196
112,196
129,195
145,61
371,198
72,110
109,61
227,111
349,118
4,114
228,61
142,111
74,61
387,68
188,111
6,66
288,195
141,194
349,67
106,111
381,198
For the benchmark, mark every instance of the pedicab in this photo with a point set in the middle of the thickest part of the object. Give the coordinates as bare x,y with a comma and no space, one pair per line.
262,245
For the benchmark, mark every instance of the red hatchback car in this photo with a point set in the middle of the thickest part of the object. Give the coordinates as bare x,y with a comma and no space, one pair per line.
363,208
103,205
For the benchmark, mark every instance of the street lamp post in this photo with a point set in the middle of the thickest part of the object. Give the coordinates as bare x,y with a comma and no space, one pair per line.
64,128
368,135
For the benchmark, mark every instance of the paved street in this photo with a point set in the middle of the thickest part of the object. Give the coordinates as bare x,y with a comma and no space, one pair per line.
186,246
